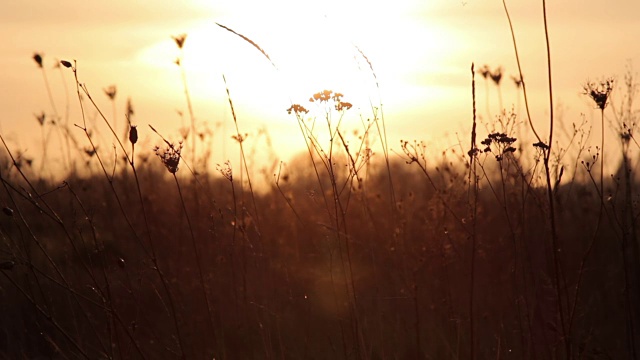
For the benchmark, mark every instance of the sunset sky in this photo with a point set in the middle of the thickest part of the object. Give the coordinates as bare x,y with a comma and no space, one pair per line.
421,52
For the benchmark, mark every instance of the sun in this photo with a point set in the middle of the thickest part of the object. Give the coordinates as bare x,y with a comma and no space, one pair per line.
283,52
346,46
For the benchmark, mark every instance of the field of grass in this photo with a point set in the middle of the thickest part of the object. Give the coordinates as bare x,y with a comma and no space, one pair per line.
506,246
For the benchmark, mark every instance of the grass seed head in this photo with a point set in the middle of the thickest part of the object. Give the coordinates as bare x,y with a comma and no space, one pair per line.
129,108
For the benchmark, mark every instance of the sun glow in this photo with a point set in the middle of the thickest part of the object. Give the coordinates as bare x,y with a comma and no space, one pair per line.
333,45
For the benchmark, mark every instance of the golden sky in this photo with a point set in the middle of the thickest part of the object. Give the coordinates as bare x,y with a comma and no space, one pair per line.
421,52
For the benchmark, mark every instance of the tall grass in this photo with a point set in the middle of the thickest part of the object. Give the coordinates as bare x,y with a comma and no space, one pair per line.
500,250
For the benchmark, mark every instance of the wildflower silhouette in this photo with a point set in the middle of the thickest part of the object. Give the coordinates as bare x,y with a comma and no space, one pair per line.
599,92
297,109
326,96
321,96
226,170
501,142
170,156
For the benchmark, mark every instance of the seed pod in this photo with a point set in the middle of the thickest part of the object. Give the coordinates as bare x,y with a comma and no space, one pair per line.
7,211
38,59
65,63
133,134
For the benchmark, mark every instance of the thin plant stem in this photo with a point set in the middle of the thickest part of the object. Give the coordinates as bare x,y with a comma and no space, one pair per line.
552,218
473,172
242,154
197,254
524,86
121,206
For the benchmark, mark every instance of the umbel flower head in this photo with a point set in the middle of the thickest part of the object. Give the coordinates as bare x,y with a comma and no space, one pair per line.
170,156
297,109
599,92
502,144
325,96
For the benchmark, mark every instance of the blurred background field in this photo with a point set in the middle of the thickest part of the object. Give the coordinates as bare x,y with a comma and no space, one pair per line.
242,186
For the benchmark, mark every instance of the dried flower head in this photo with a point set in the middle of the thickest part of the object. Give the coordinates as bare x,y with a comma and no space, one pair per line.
517,81
226,170
41,118
297,109
240,138
133,134
321,96
324,96
180,39
485,71
540,145
37,57
496,76
599,92
170,156
342,105
499,144
90,151
111,92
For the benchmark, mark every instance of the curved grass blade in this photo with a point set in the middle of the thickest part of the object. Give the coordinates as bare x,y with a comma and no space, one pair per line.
250,42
